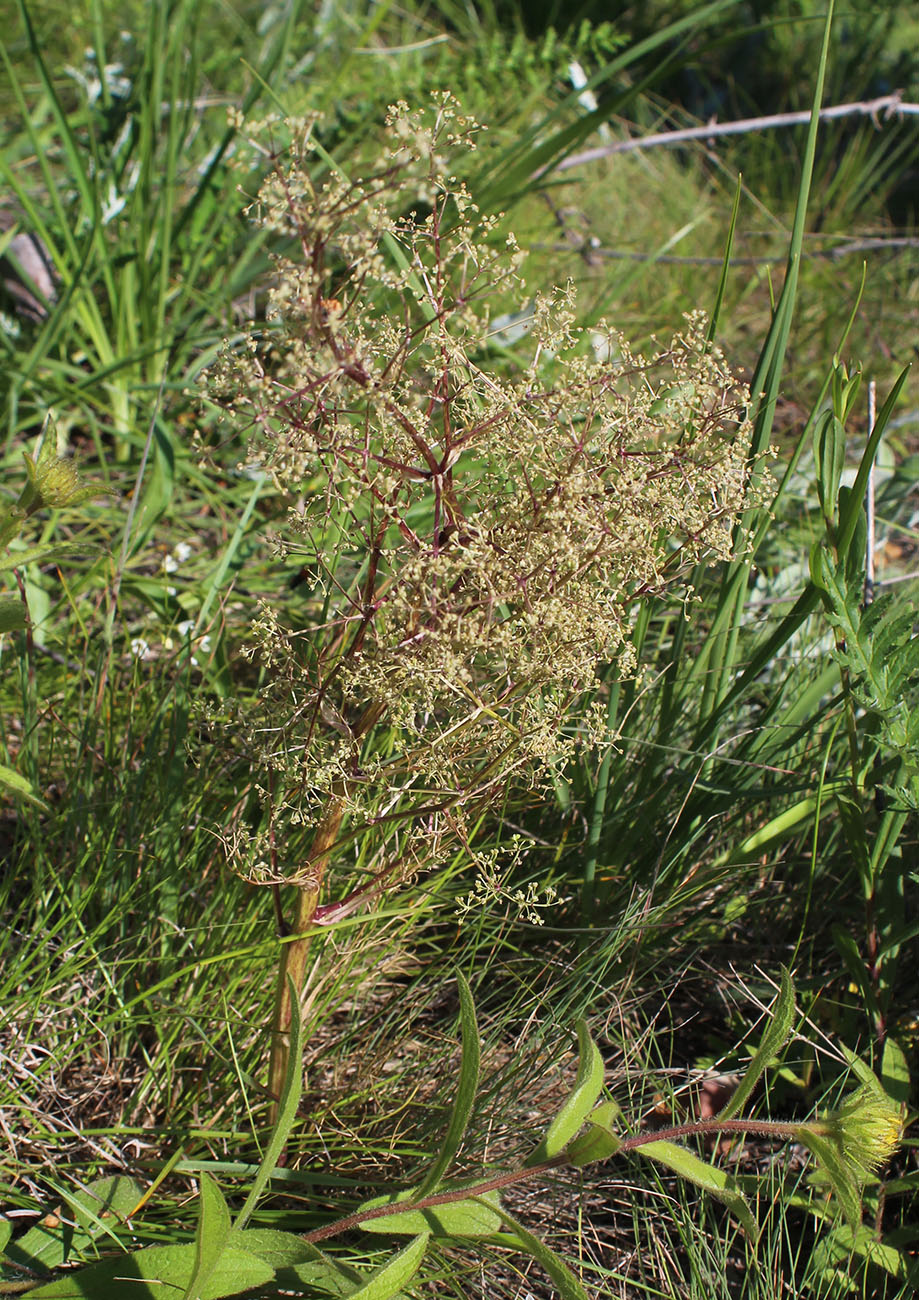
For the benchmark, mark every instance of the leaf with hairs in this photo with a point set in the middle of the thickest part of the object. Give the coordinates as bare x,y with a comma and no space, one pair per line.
468,1218
781,1018
568,1286
710,1178
580,1102
149,1274
387,1281
12,614
211,1237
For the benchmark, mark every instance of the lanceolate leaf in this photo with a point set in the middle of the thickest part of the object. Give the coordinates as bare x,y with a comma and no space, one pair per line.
471,1218
88,1216
168,1271
709,1177
774,1039
211,1238
599,1141
50,552
580,1103
388,1280
465,1093
834,1170
567,1285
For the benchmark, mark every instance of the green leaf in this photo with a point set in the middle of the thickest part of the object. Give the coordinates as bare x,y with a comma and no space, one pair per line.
6,1231
581,1101
46,551
12,614
834,1170
279,1249
465,1093
775,1037
829,459
19,785
389,1280
568,1286
320,1277
474,1217
709,1177
168,1269
51,1242
600,1141
895,1072
211,1237
287,1110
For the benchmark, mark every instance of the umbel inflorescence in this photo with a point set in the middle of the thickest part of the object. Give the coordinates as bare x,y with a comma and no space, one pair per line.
479,518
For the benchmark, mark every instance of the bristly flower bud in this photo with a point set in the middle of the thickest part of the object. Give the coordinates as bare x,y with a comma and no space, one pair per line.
865,1132
54,481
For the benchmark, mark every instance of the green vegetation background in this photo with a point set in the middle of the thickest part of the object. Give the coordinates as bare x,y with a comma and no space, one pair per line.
137,973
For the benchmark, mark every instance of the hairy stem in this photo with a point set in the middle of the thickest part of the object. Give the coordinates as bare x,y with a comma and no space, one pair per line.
759,1128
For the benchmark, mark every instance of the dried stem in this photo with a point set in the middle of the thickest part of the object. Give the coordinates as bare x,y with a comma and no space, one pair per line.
294,954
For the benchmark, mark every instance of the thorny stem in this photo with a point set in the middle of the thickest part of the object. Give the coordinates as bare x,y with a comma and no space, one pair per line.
757,1128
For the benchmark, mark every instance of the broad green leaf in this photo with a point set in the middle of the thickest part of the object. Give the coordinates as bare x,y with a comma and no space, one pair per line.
12,614
279,1249
468,1218
465,1093
287,1110
167,1269
11,780
710,1178
568,1286
843,1242
6,1231
782,1014
53,1240
298,1263
895,1072
320,1277
211,1237
387,1281
115,1197
600,1141
581,1101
